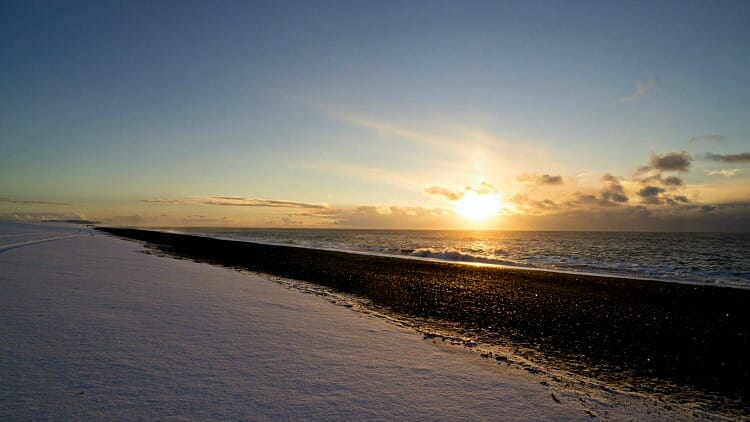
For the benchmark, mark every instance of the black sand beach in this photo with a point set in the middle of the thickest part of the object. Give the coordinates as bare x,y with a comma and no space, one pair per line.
632,329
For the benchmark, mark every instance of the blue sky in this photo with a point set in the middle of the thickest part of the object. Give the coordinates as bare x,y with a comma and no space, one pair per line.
368,104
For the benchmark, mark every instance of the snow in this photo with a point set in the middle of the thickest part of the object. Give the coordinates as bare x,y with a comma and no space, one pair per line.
93,327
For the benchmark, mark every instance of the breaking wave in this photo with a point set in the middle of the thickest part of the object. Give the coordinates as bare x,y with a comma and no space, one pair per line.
450,254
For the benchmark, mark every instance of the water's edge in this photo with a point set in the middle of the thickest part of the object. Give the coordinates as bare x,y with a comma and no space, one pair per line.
699,258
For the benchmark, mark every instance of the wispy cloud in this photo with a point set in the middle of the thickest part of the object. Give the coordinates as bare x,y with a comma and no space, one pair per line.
373,216
641,88
670,181
743,157
723,172
163,201
442,146
410,181
541,179
482,188
447,193
30,202
238,201
455,139
388,129
533,206
708,138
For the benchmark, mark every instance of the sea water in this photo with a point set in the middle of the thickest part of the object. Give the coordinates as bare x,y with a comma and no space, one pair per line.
704,258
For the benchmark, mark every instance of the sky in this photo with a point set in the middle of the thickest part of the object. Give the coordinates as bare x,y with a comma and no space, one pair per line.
426,115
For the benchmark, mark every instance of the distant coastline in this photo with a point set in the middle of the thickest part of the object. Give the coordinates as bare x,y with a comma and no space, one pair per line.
85,222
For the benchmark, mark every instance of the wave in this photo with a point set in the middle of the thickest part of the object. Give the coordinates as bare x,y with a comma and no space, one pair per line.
450,254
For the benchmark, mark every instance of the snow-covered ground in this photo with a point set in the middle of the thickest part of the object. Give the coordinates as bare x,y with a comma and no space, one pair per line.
92,327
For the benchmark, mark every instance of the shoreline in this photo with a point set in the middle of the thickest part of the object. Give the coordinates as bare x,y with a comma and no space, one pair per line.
477,260
692,335
460,262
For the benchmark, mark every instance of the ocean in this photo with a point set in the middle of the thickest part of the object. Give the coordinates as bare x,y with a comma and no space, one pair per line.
703,258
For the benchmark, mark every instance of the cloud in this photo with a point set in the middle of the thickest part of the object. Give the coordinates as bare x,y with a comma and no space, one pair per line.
543,179
708,138
447,193
710,208
650,194
650,191
482,189
655,195
286,221
652,174
671,161
675,200
163,201
370,174
460,141
641,88
19,201
238,201
670,181
373,216
743,157
613,193
377,216
723,172
722,217
583,199
391,130
532,206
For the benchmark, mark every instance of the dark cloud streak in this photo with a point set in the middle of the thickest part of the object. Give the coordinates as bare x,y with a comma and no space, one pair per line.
19,201
237,201
163,201
543,179
672,161
743,157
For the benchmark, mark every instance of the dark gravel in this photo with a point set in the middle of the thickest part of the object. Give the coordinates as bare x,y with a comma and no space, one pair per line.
690,335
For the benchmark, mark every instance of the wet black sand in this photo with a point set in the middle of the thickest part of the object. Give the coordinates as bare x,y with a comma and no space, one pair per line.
690,335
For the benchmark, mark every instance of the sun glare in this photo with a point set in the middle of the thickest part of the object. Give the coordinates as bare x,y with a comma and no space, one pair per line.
478,207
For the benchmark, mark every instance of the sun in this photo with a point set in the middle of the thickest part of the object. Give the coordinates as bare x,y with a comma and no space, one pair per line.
478,207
